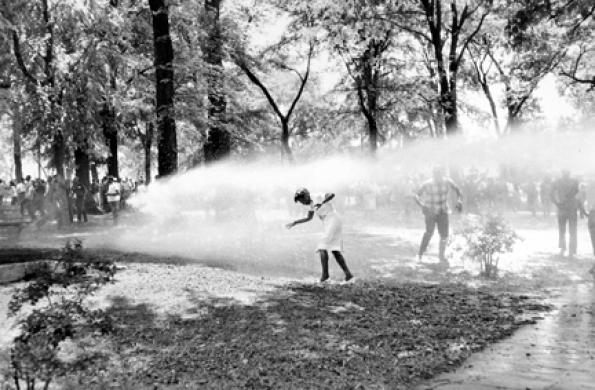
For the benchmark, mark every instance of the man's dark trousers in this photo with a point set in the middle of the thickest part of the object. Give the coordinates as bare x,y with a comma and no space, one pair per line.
433,220
591,226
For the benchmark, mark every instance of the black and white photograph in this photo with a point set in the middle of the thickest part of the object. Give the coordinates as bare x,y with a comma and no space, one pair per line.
297,194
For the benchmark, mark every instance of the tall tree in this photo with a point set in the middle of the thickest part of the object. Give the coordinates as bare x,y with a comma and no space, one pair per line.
38,68
366,71
580,19
110,135
362,33
284,118
440,22
218,141
482,65
526,41
164,85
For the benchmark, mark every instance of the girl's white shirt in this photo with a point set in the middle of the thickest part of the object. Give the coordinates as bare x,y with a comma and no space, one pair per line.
323,211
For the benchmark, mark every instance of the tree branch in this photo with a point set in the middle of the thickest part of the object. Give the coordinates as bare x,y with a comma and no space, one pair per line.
19,57
472,35
413,31
256,81
572,74
49,44
304,80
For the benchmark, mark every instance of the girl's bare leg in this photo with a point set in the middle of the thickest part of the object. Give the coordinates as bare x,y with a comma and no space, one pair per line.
324,262
341,261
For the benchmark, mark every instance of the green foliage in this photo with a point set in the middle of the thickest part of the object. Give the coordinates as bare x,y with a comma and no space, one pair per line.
56,319
377,58
485,239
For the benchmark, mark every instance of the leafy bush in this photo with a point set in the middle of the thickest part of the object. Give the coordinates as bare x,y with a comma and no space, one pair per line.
485,239
55,319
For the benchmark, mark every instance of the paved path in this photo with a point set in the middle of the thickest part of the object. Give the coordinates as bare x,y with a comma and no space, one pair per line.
557,353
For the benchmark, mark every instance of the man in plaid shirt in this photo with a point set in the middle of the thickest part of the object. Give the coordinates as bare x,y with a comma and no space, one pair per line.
432,197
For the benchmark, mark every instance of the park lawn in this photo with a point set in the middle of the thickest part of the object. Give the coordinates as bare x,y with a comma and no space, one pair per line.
366,335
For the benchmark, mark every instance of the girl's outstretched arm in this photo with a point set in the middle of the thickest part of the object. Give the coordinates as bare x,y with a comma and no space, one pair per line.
304,220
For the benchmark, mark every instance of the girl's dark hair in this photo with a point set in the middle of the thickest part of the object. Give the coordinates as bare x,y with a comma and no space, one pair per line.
301,194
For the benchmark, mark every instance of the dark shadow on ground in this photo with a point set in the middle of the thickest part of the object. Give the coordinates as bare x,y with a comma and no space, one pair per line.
11,255
363,335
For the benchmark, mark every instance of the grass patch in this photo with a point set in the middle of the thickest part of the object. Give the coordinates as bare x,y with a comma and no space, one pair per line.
363,335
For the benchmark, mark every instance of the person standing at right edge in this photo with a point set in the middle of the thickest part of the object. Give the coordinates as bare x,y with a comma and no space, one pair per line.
564,194
587,209
433,197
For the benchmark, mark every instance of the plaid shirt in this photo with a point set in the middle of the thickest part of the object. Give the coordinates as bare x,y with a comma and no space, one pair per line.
435,195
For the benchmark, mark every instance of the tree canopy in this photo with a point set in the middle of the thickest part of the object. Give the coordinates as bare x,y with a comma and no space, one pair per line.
188,82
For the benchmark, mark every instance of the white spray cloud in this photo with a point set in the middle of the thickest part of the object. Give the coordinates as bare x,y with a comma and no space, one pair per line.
232,213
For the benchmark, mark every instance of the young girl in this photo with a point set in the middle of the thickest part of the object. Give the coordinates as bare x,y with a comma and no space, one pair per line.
332,239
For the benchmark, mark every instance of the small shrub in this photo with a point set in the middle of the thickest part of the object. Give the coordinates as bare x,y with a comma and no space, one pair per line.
485,239
55,319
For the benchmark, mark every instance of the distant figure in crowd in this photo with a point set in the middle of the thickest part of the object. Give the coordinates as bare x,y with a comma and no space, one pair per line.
59,197
103,194
545,189
332,239
532,195
125,192
564,194
587,209
96,194
433,197
21,191
28,198
38,206
13,187
113,196
5,192
79,192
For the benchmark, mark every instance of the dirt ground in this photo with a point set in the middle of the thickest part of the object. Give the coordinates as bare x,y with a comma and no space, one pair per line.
217,309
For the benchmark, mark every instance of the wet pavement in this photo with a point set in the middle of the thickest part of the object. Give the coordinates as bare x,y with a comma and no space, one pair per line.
556,353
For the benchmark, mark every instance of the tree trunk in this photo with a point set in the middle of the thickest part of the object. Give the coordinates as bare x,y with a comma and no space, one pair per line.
147,145
449,107
431,126
368,97
490,97
110,133
58,152
167,145
218,142
81,161
448,97
16,142
512,119
372,133
372,112
286,150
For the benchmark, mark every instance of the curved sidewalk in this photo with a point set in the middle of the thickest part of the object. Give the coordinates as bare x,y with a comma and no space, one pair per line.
556,353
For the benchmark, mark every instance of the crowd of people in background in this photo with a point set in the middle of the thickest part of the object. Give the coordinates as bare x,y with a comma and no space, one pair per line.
67,201
507,191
